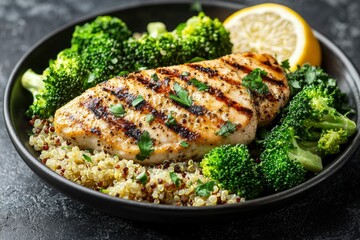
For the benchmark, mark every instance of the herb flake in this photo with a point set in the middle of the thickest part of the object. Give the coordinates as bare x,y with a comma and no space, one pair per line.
185,74
227,129
87,158
117,110
139,99
205,189
199,85
184,144
181,96
253,81
170,119
145,144
150,118
154,77
175,179
286,65
142,177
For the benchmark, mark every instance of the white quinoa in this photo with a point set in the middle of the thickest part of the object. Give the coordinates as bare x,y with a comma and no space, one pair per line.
103,172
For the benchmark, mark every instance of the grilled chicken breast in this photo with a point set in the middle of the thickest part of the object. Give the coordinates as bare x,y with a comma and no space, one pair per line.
185,118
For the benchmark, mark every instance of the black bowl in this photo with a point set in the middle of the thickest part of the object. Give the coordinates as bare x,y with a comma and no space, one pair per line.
17,100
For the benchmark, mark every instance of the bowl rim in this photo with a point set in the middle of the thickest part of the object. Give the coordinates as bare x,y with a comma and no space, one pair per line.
49,176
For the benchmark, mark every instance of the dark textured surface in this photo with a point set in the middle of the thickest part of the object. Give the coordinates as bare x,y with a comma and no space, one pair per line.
29,209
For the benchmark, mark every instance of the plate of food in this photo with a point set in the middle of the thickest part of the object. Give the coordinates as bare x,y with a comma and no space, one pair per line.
171,111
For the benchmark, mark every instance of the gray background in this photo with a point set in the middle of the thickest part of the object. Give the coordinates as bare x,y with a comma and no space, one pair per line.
29,209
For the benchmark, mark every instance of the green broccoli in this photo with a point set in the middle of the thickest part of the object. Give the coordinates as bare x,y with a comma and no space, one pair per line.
284,163
204,37
102,60
104,27
59,83
199,37
330,141
312,110
310,129
233,169
149,52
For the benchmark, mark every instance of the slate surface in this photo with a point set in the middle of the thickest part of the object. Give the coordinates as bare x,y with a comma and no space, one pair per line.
29,209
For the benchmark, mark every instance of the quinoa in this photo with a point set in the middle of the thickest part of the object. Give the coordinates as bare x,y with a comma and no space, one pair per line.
123,178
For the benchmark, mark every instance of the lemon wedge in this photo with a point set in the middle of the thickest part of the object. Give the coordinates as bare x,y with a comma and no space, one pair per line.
274,29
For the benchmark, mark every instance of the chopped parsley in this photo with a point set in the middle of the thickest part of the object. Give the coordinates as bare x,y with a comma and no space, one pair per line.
199,85
185,74
184,144
286,65
142,177
226,129
117,110
87,158
175,179
196,59
154,77
181,96
170,119
150,118
145,144
253,81
205,189
139,99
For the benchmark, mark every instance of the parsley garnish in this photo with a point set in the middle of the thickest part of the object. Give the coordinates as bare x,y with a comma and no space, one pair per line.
137,101
205,189
185,74
118,110
154,77
310,76
285,65
253,81
150,118
199,85
170,119
87,158
196,59
145,145
181,96
226,129
184,144
175,179
142,177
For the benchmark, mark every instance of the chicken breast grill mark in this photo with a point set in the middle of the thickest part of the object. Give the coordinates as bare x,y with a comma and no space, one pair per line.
88,121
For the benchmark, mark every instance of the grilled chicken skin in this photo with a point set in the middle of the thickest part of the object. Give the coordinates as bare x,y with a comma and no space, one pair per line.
186,109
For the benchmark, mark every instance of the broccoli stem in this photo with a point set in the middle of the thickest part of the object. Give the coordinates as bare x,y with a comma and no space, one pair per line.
333,122
33,82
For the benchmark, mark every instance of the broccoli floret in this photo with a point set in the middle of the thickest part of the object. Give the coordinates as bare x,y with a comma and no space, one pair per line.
310,129
102,59
233,169
330,141
59,83
107,26
204,37
312,110
200,37
150,52
284,163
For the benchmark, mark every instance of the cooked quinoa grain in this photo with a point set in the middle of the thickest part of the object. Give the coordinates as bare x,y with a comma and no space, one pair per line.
123,178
